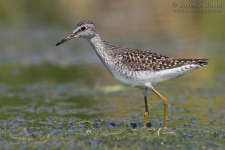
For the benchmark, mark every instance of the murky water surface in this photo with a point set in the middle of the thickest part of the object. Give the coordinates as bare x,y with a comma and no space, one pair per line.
63,97
46,97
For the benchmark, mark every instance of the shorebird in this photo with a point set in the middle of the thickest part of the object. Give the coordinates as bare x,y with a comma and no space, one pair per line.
134,67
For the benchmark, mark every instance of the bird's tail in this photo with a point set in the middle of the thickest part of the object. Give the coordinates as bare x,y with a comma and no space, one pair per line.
201,62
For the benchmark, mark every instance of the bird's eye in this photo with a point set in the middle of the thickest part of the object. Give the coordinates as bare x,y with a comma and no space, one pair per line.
83,28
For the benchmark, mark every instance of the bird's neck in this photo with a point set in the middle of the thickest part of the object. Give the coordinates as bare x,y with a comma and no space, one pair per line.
101,47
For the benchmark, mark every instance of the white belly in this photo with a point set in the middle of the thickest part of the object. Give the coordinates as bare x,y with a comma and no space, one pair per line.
140,78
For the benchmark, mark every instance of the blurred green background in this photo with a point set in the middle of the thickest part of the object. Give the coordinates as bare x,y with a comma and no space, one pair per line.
30,30
39,81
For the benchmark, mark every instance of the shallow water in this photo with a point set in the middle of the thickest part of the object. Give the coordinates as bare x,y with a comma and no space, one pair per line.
49,94
88,90
63,97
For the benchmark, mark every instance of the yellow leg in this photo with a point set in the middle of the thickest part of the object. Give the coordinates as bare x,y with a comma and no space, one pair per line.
145,119
165,102
144,91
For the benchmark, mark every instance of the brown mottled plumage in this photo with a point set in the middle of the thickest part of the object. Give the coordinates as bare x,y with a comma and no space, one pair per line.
142,60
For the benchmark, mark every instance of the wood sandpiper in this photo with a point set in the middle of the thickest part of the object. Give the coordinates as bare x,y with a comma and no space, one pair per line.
134,67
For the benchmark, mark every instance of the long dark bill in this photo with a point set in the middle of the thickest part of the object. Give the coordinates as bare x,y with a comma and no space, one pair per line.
66,39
